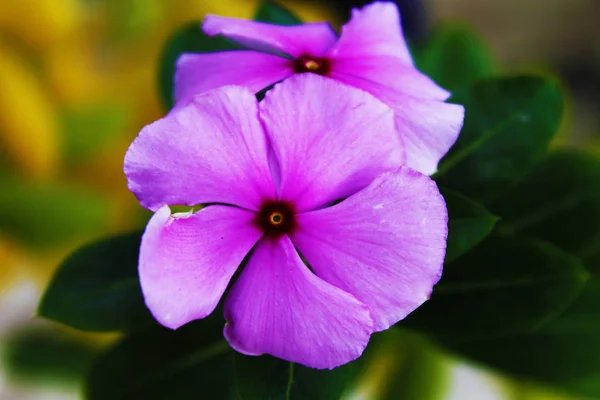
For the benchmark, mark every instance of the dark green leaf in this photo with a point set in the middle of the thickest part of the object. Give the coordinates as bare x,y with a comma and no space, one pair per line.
509,123
503,286
468,224
188,39
559,203
97,288
49,214
274,13
455,56
569,362
267,377
194,362
47,354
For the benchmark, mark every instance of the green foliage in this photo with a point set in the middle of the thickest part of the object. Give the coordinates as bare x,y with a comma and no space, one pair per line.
192,362
468,224
97,288
455,56
196,362
557,204
509,123
47,354
273,13
503,286
47,214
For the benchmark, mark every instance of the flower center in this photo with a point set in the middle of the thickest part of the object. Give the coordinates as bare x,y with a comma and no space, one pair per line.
275,218
307,63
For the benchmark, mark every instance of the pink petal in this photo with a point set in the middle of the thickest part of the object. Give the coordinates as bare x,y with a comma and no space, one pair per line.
314,38
199,72
331,140
392,73
373,30
385,245
186,262
428,128
212,149
278,307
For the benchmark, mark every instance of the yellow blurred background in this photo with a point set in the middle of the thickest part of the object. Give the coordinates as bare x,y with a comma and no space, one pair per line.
78,80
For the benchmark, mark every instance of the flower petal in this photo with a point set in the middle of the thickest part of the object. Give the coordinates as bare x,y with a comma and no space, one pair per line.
385,245
374,30
278,307
330,139
391,73
313,38
212,149
199,72
186,262
428,127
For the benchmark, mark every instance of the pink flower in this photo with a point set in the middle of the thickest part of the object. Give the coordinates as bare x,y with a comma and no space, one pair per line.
269,172
371,54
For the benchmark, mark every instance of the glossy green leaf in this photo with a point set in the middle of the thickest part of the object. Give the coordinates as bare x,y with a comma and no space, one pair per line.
509,123
44,354
468,224
97,288
569,362
188,39
266,377
48,214
559,203
274,13
455,56
505,285
193,362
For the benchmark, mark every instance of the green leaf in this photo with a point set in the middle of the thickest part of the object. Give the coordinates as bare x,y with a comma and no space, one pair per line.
509,123
505,285
266,377
468,224
568,362
559,203
274,13
97,288
48,214
43,354
455,56
193,362
188,39
88,129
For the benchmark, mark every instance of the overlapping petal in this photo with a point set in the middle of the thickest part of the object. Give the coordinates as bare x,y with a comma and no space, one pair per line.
374,30
391,73
330,139
384,245
278,307
212,149
428,127
313,38
187,261
199,72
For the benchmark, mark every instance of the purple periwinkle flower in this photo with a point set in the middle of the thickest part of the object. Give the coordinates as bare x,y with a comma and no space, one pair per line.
370,54
270,173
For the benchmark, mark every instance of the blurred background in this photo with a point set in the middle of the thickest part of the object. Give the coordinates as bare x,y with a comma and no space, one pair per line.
78,80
